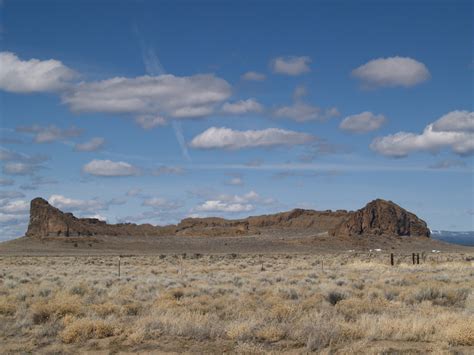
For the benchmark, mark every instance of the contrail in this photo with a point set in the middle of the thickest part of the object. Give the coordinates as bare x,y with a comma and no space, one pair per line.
153,66
180,137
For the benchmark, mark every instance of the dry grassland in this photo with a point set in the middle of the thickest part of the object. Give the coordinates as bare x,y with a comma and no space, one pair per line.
341,303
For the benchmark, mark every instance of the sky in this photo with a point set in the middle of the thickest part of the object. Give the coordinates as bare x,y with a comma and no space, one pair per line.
154,111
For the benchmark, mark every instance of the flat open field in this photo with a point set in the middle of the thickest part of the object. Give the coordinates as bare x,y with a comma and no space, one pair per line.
275,242
349,302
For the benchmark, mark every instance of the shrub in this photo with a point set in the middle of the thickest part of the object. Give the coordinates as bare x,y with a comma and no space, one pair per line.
334,297
84,329
7,307
270,333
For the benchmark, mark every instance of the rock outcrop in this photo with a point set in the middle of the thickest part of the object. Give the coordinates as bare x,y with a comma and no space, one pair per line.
379,217
48,221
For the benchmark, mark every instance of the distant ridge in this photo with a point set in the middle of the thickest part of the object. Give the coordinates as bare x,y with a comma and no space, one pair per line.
377,218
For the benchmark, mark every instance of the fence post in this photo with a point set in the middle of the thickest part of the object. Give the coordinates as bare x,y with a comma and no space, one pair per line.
119,267
391,259
418,258
413,258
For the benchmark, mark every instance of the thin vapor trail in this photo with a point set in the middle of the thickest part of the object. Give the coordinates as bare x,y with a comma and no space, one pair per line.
153,66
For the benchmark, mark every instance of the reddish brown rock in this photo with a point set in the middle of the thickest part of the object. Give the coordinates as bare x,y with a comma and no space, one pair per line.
48,221
377,218
381,217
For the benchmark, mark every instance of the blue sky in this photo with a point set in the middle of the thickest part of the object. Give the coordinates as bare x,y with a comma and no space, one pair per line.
152,111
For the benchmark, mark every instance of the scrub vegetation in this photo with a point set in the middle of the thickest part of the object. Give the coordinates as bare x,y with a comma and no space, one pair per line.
339,303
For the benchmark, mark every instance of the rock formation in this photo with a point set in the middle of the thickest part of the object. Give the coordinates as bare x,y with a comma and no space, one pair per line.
379,217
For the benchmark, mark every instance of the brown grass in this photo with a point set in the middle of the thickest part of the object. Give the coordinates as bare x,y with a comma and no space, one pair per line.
219,302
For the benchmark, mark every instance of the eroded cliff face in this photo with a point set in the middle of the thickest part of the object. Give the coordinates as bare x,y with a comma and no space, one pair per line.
379,217
48,221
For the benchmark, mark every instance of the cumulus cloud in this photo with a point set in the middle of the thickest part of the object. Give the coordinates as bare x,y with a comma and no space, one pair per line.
363,122
69,204
448,163
168,170
26,76
150,121
392,71
110,168
19,168
226,138
9,219
173,96
291,65
253,76
11,194
134,192
444,133
6,182
455,121
219,206
15,207
233,203
19,163
242,107
36,181
299,92
50,133
9,155
161,203
235,180
302,112
90,146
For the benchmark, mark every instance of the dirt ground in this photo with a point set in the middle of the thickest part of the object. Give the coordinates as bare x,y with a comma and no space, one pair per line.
262,244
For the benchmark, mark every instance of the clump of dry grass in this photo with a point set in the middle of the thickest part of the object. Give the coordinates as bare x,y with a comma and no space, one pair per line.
77,330
217,301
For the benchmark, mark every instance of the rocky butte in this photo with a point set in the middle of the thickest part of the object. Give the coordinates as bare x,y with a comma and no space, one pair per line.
377,218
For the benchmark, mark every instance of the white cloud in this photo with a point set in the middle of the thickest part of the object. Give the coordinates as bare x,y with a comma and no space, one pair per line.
291,65
362,123
219,206
11,194
25,76
50,133
300,91
431,139
6,182
233,203
392,71
161,203
110,168
448,163
236,181
6,218
301,112
134,192
19,168
90,146
150,121
15,207
69,204
242,107
227,138
455,121
168,170
253,76
173,96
